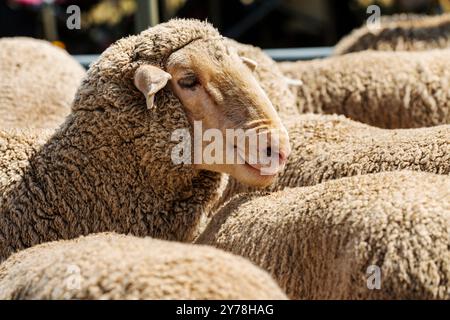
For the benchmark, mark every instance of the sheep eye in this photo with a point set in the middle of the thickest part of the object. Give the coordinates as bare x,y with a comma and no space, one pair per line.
188,82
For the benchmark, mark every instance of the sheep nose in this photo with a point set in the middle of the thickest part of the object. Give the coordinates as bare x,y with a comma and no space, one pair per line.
274,156
283,155
280,155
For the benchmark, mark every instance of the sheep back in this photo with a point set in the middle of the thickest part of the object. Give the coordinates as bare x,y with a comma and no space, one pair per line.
399,33
383,89
112,266
325,241
38,83
329,147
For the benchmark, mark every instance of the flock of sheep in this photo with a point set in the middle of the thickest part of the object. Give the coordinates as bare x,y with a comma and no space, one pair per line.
91,205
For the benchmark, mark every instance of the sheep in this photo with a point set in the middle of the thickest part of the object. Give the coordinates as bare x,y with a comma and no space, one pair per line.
112,266
332,240
37,84
399,33
110,166
328,147
384,89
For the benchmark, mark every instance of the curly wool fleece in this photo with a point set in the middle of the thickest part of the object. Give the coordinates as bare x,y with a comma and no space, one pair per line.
384,89
319,241
109,167
112,266
37,84
399,33
328,147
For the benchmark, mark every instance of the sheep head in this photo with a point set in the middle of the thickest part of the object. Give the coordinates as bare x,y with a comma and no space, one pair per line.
171,77
217,89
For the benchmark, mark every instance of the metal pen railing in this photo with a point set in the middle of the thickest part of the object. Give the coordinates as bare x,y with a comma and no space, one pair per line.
286,54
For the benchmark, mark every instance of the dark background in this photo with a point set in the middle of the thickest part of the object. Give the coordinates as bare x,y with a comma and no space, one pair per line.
265,23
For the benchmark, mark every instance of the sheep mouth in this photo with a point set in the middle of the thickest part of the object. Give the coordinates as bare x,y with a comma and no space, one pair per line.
262,170
257,168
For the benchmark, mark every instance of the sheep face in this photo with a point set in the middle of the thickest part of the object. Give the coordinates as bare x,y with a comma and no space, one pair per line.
218,90
187,74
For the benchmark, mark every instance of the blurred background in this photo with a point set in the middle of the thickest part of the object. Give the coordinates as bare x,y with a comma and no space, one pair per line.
264,23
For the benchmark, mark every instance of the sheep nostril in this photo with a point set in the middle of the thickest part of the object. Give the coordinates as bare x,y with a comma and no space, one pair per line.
282,157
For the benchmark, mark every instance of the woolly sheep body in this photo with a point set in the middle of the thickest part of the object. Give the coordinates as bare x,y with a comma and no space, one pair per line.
319,241
112,266
383,89
328,147
400,33
37,84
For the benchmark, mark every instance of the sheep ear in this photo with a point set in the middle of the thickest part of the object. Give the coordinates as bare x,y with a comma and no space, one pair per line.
149,80
252,64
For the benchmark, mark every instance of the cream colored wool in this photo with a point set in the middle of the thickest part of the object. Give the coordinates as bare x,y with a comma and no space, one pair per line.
112,266
109,166
328,147
319,241
383,89
399,33
16,147
38,82
271,79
